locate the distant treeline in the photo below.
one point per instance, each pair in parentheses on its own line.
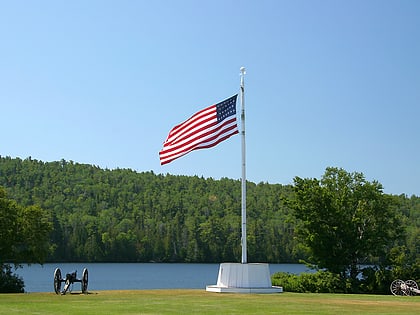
(102,215)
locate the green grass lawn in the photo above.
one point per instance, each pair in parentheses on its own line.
(202,302)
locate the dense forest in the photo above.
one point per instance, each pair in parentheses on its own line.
(102,215)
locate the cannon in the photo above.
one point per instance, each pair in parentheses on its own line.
(70,279)
(408,288)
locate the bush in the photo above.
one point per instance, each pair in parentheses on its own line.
(372,280)
(377,280)
(319,282)
(9,282)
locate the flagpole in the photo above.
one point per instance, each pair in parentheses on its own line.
(244,277)
(243,200)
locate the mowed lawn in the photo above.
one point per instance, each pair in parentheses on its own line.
(202,302)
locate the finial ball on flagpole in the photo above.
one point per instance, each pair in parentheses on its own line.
(242,70)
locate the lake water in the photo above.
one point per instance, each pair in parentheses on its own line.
(134,276)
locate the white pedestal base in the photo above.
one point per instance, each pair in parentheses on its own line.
(244,278)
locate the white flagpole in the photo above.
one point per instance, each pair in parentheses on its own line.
(244,253)
(244,277)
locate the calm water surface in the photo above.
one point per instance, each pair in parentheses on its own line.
(127,276)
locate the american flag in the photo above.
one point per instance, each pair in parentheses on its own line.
(204,129)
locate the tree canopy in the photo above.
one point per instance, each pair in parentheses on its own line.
(345,221)
(24,238)
(24,232)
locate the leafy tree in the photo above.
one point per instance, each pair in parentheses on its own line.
(24,238)
(344,220)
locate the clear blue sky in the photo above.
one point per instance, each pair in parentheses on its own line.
(329,83)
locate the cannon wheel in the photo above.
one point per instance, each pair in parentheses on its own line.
(57,280)
(85,280)
(398,287)
(411,284)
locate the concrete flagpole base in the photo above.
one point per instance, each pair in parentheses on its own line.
(244,278)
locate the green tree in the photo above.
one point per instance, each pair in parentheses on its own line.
(24,238)
(344,220)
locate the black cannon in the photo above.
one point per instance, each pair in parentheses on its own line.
(70,279)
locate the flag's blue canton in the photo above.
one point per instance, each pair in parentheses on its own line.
(226,108)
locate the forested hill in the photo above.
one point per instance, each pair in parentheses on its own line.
(122,215)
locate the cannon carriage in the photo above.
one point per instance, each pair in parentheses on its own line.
(404,288)
(70,279)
